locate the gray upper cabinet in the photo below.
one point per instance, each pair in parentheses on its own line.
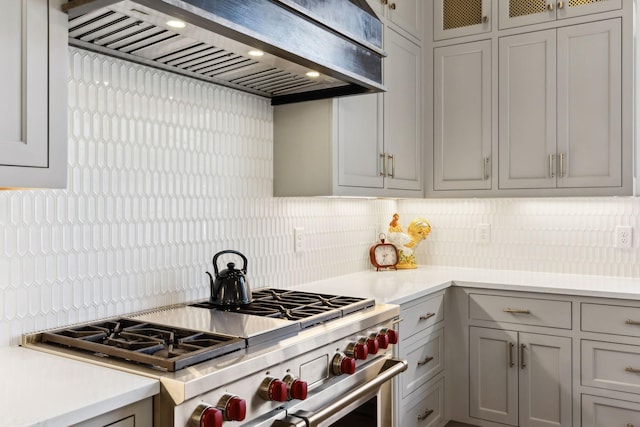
(458,18)
(515,13)
(33,84)
(462,94)
(560,107)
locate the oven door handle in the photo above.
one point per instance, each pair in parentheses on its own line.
(390,369)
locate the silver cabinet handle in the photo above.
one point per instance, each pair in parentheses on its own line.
(516,311)
(561,174)
(425,360)
(552,158)
(511,362)
(485,174)
(522,362)
(632,322)
(427,316)
(393,165)
(383,171)
(632,370)
(425,415)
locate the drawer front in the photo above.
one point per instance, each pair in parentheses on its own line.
(610,319)
(524,311)
(420,314)
(425,359)
(603,412)
(611,366)
(426,409)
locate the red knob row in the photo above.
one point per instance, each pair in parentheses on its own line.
(276,390)
(370,345)
(229,408)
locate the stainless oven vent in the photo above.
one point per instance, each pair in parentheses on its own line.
(338,39)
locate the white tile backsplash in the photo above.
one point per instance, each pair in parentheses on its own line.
(165,171)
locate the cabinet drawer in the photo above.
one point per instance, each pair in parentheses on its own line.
(426,409)
(611,366)
(425,359)
(610,319)
(524,311)
(602,412)
(420,314)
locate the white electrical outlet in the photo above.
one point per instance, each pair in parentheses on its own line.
(483,233)
(298,239)
(624,236)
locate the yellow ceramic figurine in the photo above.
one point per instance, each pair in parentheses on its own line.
(406,243)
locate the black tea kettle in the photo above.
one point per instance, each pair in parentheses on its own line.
(230,287)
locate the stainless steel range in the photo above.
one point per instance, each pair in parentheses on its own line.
(288,358)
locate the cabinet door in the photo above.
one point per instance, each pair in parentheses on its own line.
(603,412)
(544,380)
(407,15)
(359,127)
(462,116)
(457,18)
(571,8)
(33,86)
(493,375)
(514,13)
(590,105)
(402,113)
(527,110)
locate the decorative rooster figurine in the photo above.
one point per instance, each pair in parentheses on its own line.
(406,242)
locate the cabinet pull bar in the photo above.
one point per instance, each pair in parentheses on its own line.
(511,362)
(427,316)
(632,322)
(560,5)
(485,19)
(383,171)
(425,415)
(522,362)
(395,322)
(485,174)
(392,6)
(425,360)
(393,165)
(632,370)
(561,174)
(551,161)
(516,311)
(550,6)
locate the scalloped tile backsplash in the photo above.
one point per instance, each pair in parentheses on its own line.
(165,171)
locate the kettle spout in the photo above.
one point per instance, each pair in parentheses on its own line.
(212,287)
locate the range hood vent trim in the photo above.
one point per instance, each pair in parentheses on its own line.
(296,36)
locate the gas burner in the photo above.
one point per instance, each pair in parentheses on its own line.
(163,347)
(308,308)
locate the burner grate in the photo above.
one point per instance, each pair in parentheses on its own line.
(159,346)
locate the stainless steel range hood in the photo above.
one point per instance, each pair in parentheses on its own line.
(339,39)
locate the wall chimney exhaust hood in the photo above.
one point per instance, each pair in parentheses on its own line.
(287,50)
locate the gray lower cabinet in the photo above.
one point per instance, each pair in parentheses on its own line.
(419,391)
(520,379)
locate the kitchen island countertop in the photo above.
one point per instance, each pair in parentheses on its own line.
(398,287)
(41,389)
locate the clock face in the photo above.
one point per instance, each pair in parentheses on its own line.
(384,255)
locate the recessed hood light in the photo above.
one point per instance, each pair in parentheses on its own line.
(313,74)
(175,23)
(255,52)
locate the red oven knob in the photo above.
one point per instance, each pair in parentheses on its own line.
(342,364)
(273,389)
(392,335)
(296,388)
(358,349)
(206,416)
(372,344)
(383,340)
(233,408)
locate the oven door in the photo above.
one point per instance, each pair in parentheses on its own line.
(365,395)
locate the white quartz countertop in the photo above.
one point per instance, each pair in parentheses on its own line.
(400,286)
(41,389)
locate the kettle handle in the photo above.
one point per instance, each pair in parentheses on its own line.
(215,260)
